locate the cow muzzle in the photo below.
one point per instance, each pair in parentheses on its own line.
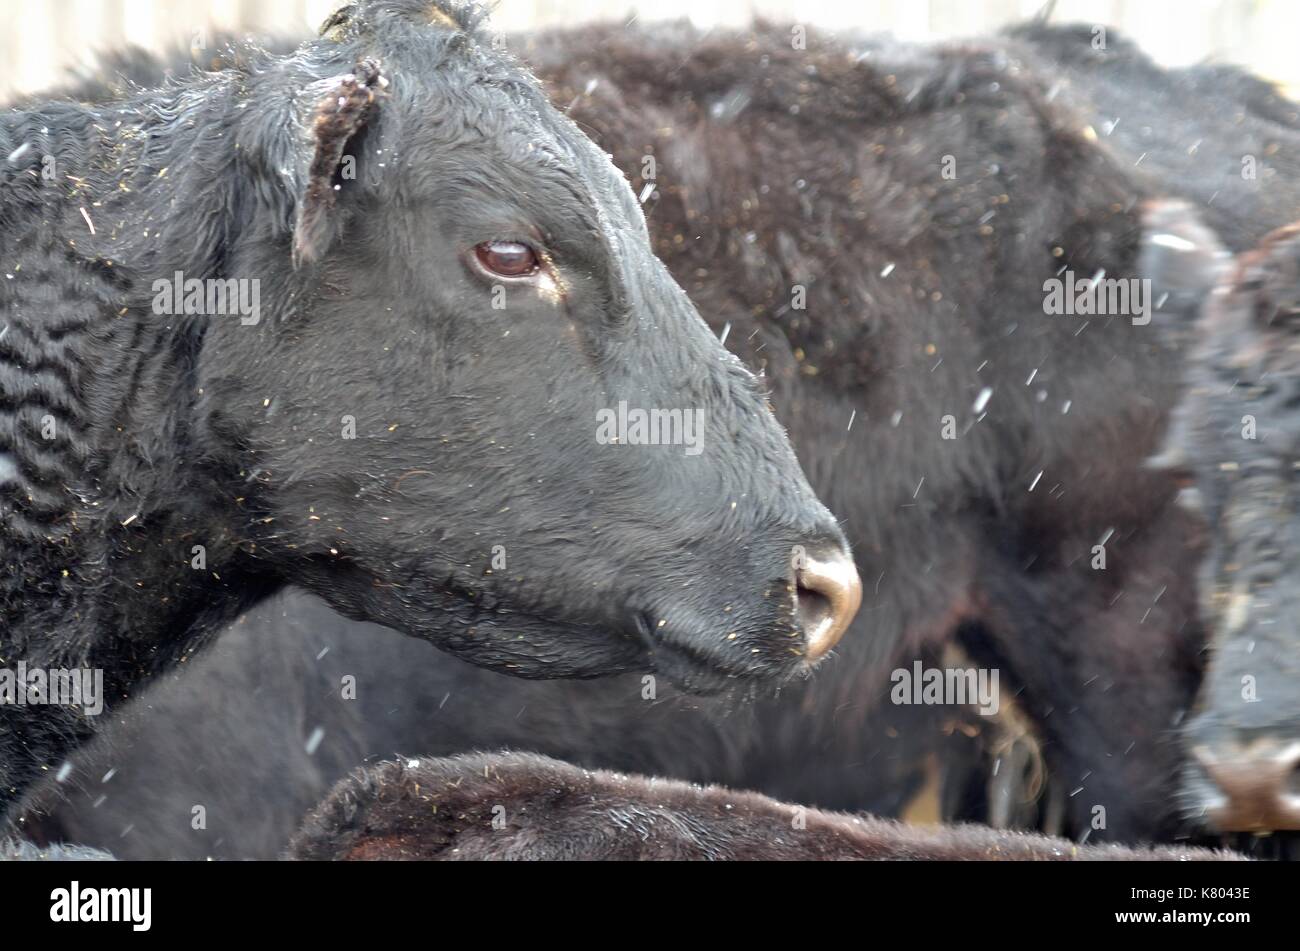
(1258,783)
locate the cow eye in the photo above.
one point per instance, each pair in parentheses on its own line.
(507,258)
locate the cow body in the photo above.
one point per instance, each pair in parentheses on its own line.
(525,807)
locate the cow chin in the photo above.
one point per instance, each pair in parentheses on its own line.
(497,637)
(538,648)
(535,648)
(681,656)
(484,629)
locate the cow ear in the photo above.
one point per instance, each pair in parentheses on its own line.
(341,114)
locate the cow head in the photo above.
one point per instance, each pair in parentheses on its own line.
(476,407)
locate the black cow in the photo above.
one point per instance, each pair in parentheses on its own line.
(1236,436)
(209,289)
(817,178)
(527,807)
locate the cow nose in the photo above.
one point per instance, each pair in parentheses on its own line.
(1259,782)
(827,595)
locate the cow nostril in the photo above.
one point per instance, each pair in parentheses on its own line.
(827,595)
(812,607)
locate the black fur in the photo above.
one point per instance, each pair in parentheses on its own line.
(292,697)
(1213,134)
(128,437)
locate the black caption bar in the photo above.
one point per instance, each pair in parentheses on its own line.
(213,900)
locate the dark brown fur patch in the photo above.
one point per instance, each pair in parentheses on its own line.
(524,806)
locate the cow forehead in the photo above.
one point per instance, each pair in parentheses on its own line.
(551,161)
(479,102)
(471,88)
(547,176)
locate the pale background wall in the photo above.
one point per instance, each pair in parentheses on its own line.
(42,38)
